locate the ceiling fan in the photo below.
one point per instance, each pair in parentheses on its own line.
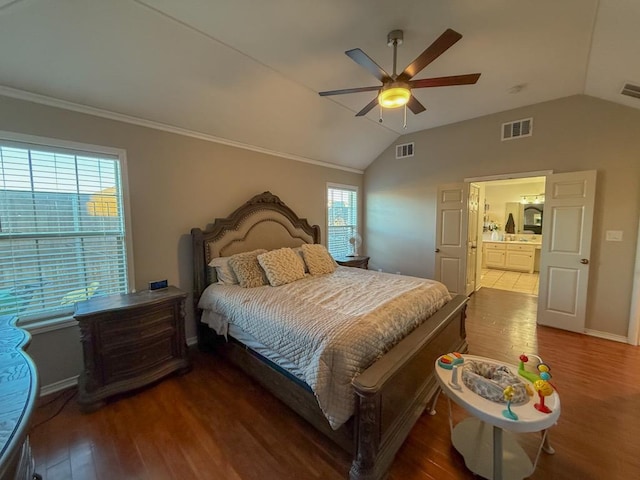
(395,90)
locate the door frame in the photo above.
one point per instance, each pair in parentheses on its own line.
(491,178)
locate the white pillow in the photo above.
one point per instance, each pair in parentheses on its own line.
(282,266)
(318,259)
(223,270)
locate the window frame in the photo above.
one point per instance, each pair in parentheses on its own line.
(52,144)
(346,187)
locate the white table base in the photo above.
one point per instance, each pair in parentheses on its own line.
(475,441)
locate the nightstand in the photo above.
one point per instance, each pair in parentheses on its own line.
(128,341)
(360,261)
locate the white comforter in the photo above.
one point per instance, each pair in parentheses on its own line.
(332,327)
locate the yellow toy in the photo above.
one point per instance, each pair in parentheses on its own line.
(508,394)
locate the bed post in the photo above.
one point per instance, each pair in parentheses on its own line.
(199,284)
(367,438)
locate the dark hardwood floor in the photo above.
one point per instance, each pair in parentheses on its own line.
(216,423)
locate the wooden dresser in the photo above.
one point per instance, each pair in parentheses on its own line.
(129,341)
(18,393)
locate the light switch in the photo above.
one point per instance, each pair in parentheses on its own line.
(614,235)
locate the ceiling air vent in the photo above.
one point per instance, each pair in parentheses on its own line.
(631,90)
(405,150)
(517,129)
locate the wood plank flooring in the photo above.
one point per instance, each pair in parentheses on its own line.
(216,423)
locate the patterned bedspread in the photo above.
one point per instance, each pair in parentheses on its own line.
(332,327)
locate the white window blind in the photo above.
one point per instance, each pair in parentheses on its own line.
(62,229)
(342,219)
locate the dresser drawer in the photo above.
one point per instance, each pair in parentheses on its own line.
(125,363)
(136,325)
(495,246)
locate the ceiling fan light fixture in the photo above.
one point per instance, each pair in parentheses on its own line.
(394,96)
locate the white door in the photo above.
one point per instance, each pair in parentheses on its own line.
(451,237)
(472,238)
(566,247)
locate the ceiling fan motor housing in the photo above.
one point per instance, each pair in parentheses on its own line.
(395,37)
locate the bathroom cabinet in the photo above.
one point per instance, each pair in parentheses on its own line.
(495,254)
(519,256)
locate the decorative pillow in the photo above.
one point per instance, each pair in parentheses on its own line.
(282,266)
(318,259)
(247,269)
(223,270)
(298,251)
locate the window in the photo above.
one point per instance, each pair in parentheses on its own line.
(62,226)
(342,219)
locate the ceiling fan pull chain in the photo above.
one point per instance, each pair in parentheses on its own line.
(380,120)
(405,117)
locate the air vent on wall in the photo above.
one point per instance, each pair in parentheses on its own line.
(631,90)
(405,150)
(517,129)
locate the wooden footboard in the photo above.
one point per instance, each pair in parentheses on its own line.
(392,393)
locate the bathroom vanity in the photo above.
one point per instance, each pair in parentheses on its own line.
(512,255)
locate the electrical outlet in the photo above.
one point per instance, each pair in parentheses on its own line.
(614,235)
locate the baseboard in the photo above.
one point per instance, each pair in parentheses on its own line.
(57,386)
(606,336)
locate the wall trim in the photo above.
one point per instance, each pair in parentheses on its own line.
(605,335)
(49,326)
(510,176)
(57,386)
(98,112)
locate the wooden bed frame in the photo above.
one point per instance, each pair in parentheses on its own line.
(391,394)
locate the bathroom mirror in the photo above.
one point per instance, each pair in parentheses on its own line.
(532,217)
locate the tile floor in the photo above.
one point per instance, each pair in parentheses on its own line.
(514,281)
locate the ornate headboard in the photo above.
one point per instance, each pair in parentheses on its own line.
(262,222)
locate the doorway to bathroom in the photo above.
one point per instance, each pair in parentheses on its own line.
(511,233)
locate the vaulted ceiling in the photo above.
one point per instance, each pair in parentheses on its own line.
(248,72)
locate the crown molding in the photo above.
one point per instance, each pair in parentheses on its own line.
(120,117)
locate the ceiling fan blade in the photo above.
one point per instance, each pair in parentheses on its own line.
(467,79)
(348,90)
(433,51)
(415,106)
(365,61)
(368,108)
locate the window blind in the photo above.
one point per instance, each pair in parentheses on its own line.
(342,219)
(62,229)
